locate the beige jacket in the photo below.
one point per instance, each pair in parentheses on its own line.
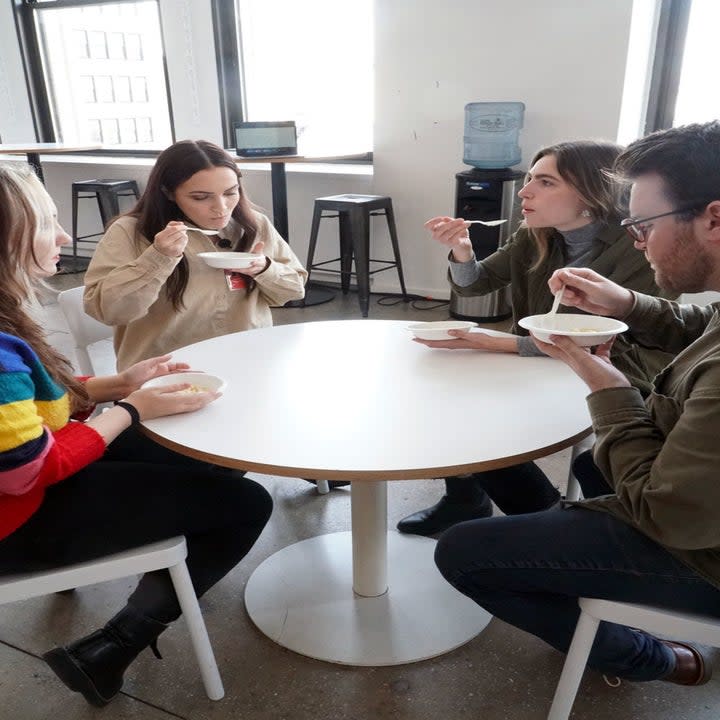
(662,456)
(125,287)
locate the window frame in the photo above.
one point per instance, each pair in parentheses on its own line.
(233,102)
(673,21)
(40,104)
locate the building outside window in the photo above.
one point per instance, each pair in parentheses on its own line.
(104,73)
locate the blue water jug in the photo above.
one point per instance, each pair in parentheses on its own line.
(491,134)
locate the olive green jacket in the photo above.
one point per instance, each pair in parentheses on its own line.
(613,256)
(662,455)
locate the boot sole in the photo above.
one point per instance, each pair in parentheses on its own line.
(73,676)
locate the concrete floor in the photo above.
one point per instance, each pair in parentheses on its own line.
(502,673)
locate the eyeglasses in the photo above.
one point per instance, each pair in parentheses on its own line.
(636,228)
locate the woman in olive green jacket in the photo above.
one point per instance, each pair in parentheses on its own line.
(571,211)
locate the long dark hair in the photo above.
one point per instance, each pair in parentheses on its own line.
(155,209)
(26,211)
(587,166)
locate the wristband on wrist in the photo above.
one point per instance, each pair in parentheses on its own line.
(132,411)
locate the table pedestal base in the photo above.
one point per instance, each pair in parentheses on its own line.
(302,598)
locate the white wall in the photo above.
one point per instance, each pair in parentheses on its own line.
(563,58)
(16,123)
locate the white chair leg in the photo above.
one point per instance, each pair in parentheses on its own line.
(198,632)
(574,667)
(322,487)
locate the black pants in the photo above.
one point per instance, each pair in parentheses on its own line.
(522,488)
(525,488)
(116,504)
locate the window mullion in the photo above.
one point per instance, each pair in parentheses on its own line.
(34,75)
(667,65)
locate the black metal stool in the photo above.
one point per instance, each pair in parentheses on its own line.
(354,212)
(106,192)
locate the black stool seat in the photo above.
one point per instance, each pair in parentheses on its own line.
(354,213)
(106,193)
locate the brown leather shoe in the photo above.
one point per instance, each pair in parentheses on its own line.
(691,667)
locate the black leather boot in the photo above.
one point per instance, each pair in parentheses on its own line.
(464,500)
(94,665)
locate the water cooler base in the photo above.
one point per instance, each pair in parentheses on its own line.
(494,307)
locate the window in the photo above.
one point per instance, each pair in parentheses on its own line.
(670,54)
(311,62)
(98,72)
(696,100)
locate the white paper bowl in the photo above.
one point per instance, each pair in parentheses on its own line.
(439,330)
(203,381)
(229,260)
(584,330)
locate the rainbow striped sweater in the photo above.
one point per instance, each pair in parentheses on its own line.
(39,445)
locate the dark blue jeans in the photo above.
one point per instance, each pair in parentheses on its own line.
(529,570)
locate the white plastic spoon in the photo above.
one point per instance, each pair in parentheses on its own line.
(489,223)
(550,317)
(204,232)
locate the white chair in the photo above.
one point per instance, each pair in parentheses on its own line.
(660,621)
(84,329)
(169,554)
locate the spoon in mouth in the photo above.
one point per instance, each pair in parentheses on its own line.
(488,223)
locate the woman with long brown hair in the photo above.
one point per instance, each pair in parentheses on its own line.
(68,492)
(146,278)
(572,210)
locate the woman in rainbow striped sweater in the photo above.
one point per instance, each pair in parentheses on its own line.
(67,494)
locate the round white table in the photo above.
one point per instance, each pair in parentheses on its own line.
(358,400)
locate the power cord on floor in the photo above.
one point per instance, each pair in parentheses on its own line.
(415,301)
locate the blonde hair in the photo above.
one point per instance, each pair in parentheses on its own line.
(26,213)
(587,166)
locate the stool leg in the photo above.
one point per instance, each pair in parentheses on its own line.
(360,223)
(346,250)
(74,222)
(390,217)
(317,215)
(109,206)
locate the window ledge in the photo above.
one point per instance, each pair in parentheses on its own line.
(309,168)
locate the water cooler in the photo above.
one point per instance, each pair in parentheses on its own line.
(489,192)
(483,194)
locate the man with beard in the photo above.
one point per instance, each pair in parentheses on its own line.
(654,536)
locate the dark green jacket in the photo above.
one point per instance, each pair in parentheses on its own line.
(613,256)
(662,455)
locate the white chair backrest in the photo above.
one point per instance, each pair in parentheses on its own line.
(84,329)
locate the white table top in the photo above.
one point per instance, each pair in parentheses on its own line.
(357,399)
